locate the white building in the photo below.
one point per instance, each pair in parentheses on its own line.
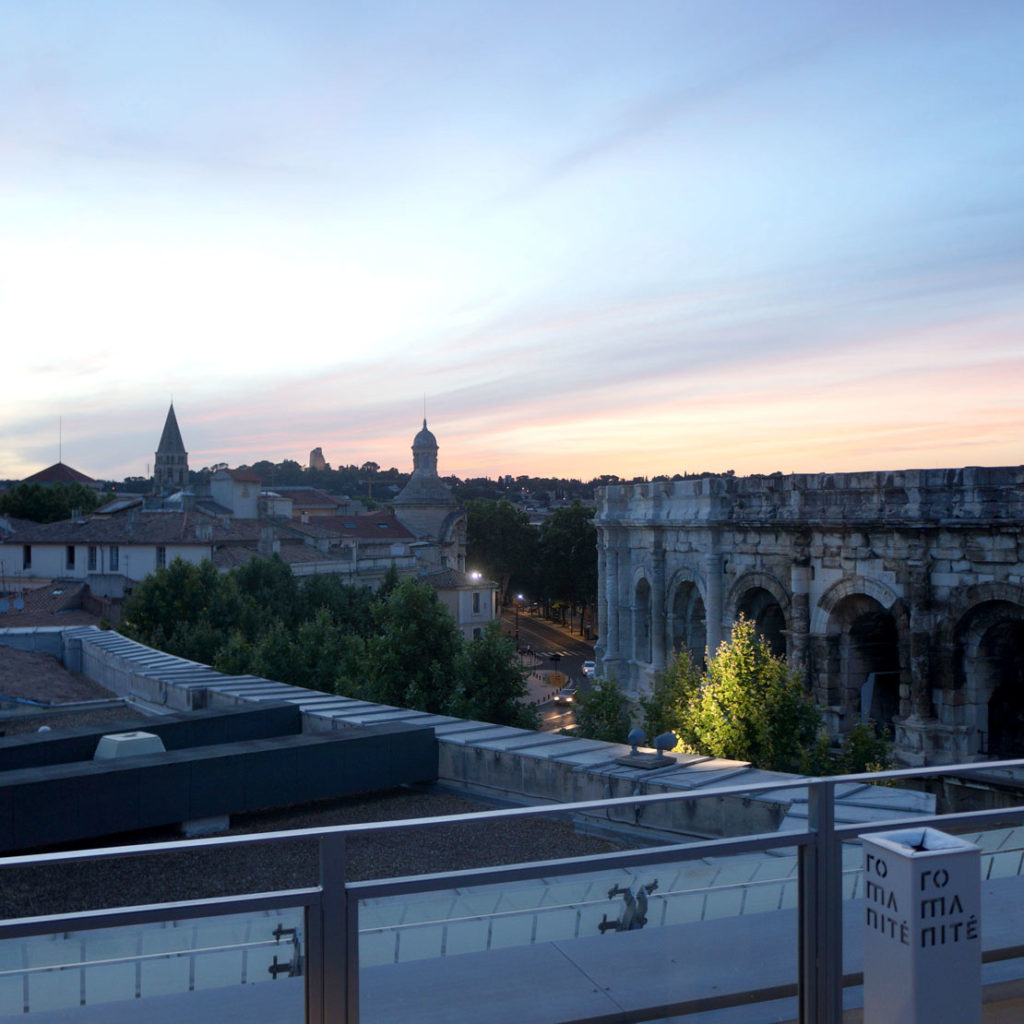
(472,600)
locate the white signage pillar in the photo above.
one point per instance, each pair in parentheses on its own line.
(922,928)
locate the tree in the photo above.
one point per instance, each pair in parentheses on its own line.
(674,689)
(349,606)
(491,682)
(568,556)
(864,749)
(603,713)
(748,705)
(170,599)
(399,646)
(234,657)
(50,503)
(501,543)
(410,659)
(323,649)
(274,657)
(270,593)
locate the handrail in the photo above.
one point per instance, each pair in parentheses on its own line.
(332,907)
(181,910)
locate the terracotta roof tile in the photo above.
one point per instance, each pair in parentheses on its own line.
(374,526)
(310,497)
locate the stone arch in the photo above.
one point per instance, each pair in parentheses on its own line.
(963,599)
(686,614)
(763,599)
(987,643)
(862,625)
(822,612)
(642,618)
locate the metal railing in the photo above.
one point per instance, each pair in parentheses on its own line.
(331,908)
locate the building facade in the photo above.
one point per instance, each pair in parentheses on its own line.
(900,596)
(471,600)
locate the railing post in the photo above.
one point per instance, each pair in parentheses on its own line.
(333,997)
(821,912)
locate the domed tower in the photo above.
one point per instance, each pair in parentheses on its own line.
(428,508)
(170,472)
(424,452)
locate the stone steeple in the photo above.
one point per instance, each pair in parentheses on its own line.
(170,471)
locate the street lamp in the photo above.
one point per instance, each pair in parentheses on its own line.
(519,598)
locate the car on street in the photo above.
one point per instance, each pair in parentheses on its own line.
(567,694)
(589,669)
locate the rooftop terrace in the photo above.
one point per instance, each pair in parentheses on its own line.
(521,940)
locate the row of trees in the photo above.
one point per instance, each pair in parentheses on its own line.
(48,503)
(555,563)
(398,645)
(745,705)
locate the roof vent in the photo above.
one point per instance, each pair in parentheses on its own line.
(127,744)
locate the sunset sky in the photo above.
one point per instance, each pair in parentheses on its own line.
(640,237)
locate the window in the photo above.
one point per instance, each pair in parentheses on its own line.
(115,556)
(161,557)
(70,558)
(476,602)
(477,632)
(26,556)
(92,558)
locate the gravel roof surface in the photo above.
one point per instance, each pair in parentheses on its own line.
(294,863)
(41,677)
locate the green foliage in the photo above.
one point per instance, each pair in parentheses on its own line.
(169,600)
(674,689)
(48,503)
(234,656)
(411,656)
(603,713)
(568,555)
(271,594)
(389,582)
(501,543)
(348,606)
(747,706)
(491,682)
(398,646)
(864,749)
(273,657)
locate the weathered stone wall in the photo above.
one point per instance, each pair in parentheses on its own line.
(901,595)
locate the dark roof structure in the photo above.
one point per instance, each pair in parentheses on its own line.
(454,579)
(242,476)
(309,498)
(137,527)
(58,473)
(170,439)
(372,526)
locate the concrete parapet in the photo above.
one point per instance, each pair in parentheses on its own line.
(494,762)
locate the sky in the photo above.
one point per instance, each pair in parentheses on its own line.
(582,236)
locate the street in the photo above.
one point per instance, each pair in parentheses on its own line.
(554,657)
